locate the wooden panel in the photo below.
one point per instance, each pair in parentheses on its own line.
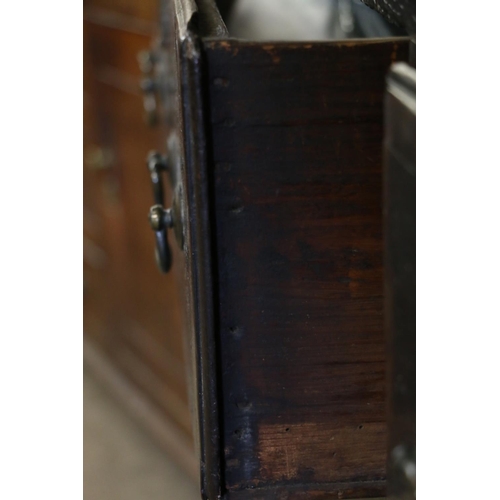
(154,301)
(117,48)
(135,10)
(141,310)
(148,342)
(103,224)
(297,140)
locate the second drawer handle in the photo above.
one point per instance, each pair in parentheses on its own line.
(160,219)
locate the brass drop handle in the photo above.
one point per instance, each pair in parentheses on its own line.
(160,219)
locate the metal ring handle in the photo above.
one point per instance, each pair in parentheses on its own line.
(159,218)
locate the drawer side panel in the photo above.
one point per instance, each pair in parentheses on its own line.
(296,133)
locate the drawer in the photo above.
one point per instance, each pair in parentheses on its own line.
(281,170)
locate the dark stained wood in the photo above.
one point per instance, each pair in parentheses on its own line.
(201,302)
(305,491)
(296,138)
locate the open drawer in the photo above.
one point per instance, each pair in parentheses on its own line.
(279,182)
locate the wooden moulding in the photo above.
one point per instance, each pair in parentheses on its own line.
(283,174)
(400,277)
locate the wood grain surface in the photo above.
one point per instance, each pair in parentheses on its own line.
(296,136)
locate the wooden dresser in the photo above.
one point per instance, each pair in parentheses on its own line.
(267,212)
(133,315)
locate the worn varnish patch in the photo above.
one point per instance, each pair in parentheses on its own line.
(288,447)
